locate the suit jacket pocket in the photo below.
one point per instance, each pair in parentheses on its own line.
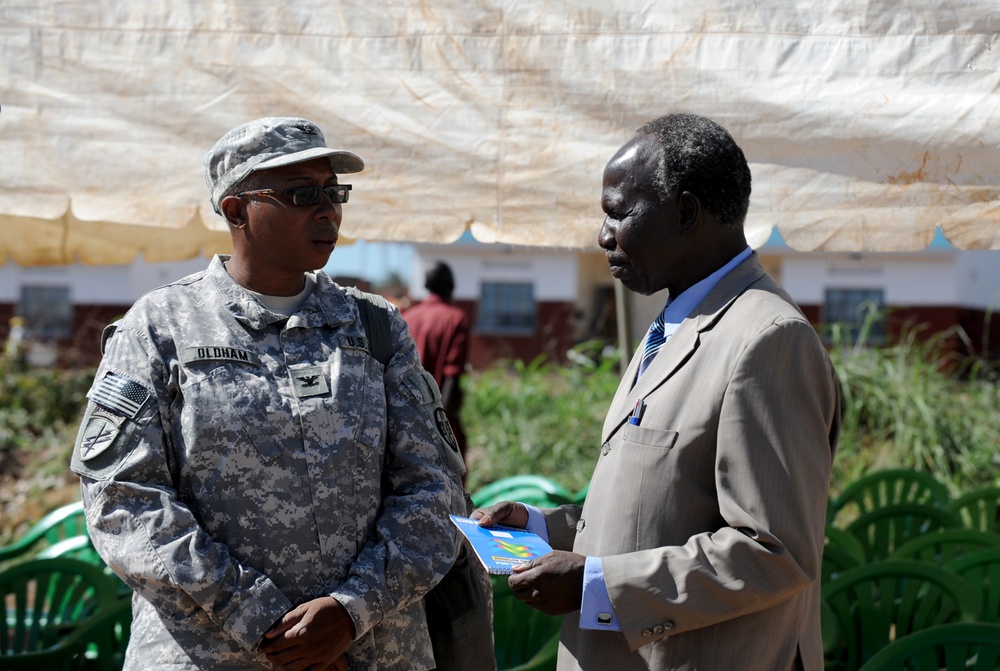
(641,435)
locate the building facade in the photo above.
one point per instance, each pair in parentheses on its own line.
(526,302)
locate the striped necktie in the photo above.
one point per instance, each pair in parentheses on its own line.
(654,341)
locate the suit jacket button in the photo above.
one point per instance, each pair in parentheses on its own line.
(605,448)
(668,625)
(647,633)
(580,525)
(658,629)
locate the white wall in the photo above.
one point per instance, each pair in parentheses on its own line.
(97,285)
(906,280)
(553,274)
(977,280)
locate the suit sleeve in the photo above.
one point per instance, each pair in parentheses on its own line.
(773,459)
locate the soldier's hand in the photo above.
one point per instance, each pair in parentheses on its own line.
(507,513)
(553,583)
(310,637)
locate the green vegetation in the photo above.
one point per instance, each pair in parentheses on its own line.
(914,405)
(39,407)
(904,406)
(907,405)
(538,418)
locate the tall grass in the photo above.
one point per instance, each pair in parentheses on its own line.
(538,418)
(916,405)
(909,405)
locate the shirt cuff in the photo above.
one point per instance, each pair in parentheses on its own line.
(536,522)
(595,606)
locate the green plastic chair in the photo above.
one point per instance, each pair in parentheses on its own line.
(978,509)
(963,646)
(98,643)
(58,525)
(522,487)
(982,569)
(841,552)
(82,548)
(886,488)
(829,630)
(875,604)
(884,530)
(836,560)
(46,599)
(943,546)
(521,634)
(543,660)
(847,542)
(77,547)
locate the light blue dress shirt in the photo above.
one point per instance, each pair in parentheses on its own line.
(596,611)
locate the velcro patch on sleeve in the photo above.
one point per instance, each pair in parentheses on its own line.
(120,394)
(421,386)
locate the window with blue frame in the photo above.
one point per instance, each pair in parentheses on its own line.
(506,308)
(47,311)
(855,313)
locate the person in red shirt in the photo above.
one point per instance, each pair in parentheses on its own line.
(441,332)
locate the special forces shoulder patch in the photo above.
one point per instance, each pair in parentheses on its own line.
(98,433)
(109,425)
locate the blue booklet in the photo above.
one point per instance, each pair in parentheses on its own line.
(498,547)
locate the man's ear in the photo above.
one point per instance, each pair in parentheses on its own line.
(234,211)
(690,211)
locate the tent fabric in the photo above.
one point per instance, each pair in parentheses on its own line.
(867,123)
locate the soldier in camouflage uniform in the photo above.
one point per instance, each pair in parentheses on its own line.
(274,495)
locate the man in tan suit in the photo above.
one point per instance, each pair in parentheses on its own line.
(700,541)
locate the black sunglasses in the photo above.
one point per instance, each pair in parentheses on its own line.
(306,196)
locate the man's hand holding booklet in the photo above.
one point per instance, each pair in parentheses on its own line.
(498,547)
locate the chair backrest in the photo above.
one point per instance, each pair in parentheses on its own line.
(836,560)
(59,524)
(883,530)
(844,540)
(520,633)
(98,643)
(945,545)
(47,598)
(978,509)
(538,486)
(886,488)
(982,569)
(963,646)
(77,547)
(841,551)
(877,603)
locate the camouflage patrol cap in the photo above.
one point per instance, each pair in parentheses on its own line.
(267,143)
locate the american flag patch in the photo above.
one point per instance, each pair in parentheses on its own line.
(117,392)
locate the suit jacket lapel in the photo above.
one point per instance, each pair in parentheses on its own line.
(681,345)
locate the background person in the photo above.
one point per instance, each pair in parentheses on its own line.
(441,332)
(700,541)
(275,496)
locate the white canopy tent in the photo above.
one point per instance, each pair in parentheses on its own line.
(866,122)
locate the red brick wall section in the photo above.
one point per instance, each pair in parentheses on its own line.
(84,348)
(553,336)
(981,327)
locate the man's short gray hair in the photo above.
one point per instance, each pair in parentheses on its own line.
(700,156)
